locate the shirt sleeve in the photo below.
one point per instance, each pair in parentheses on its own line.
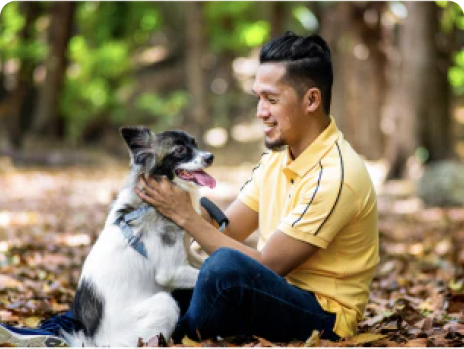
(250,191)
(323,209)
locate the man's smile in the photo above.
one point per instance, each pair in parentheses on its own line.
(268,127)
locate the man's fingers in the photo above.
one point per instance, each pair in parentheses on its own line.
(149,188)
(147,181)
(162,184)
(154,189)
(156,181)
(153,180)
(144,196)
(146,193)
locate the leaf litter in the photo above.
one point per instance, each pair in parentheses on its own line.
(50,218)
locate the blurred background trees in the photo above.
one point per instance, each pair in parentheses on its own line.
(71,73)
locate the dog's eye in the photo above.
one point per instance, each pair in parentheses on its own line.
(180,150)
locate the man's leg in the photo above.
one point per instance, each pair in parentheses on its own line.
(183,297)
(47,335)
(236,295)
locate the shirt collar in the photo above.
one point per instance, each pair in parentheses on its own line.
(314,152)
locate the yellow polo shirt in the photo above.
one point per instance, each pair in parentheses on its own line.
(324,197)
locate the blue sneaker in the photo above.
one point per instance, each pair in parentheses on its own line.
(47,335)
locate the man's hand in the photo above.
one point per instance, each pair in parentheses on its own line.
(171,201)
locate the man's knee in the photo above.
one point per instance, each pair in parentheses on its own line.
(225,264)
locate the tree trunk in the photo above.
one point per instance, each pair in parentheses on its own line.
(372,99)
(195,76)
(278,16)
(47,120)
(12,104)
(359,73)
(3,90)
(422,117)
(436,128)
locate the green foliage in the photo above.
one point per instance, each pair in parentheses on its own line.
(235,26)
(11,23)
(307,19)
(98,82)
(11,46)
(106,38)
(453,18)
(164,110)
(238,26)
(95,75)
(422,154)
(108,60)
(253,34)
(456,78)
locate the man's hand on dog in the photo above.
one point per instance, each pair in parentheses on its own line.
(169,200)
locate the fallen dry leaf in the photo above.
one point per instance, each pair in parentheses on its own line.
(32,321)
(364,338)
(264,342)
(314,340)
(189,342)
(418,342)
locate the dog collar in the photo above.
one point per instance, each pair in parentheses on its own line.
(132,239)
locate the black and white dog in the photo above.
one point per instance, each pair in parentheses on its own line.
(140,256)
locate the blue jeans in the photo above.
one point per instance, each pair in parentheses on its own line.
(236,295)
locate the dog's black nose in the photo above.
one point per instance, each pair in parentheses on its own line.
(208,158)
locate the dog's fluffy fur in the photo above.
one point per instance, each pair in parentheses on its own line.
(123,296)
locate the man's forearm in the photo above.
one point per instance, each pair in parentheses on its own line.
(206,216)
(210,239)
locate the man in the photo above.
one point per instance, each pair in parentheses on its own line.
(315,206)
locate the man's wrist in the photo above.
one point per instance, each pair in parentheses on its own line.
(183,220)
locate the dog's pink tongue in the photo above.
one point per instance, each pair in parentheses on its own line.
(203,178)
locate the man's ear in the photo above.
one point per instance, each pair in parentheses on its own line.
(139,139)
(313,99)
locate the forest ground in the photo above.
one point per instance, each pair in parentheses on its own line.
(50,217)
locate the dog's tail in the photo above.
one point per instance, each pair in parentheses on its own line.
(194,258)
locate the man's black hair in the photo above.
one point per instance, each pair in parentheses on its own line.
(307,60)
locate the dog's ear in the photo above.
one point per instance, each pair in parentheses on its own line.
(139,139)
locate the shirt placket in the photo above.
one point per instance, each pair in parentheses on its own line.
(290,177)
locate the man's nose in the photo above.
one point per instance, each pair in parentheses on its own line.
(262,111)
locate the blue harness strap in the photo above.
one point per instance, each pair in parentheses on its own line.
(133,240)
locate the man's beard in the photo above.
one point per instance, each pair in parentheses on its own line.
(277,145)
